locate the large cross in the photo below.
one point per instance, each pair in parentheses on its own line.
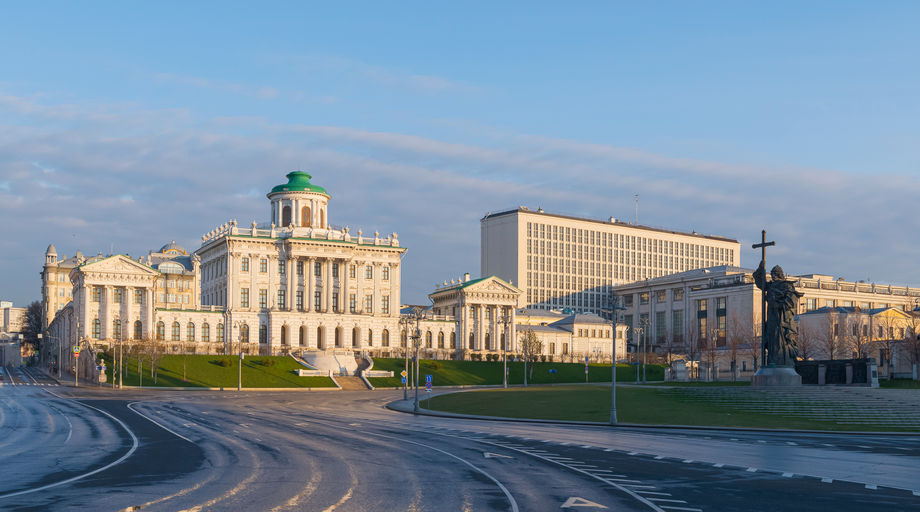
(763,294)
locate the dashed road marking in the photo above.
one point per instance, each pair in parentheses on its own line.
(659,457)
(788,475)
(827,480)
(687,461)
(751,470)
(871,487)
(719,465)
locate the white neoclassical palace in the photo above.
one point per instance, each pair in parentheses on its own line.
(295,282)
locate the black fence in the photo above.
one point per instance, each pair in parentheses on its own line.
(853,372)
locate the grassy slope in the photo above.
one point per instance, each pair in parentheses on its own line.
(203,371)
(634,405)
(453,373)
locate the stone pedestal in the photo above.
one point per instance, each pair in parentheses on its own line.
(776,376)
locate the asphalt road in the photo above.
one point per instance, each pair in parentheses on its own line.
(91,449)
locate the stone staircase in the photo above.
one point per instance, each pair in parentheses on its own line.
(351,383)
(843,405)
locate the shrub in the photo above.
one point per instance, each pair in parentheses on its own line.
(266,362)
(225,363)
(432,365)
(542,358)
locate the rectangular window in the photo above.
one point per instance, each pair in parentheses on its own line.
(677,325)
(661,328)
(263,298)
(352,271)
(263,265)
(317,300)
(335,302)
(317,269)
(299,268)
(811,304)
(299,299)
(369,304)
(281,297)
(138,296)
(335,270)
(281,268)
(385,273)
(96,294)
(352,303)
(368,272)
(244,265)
(385,304)
(628,300)
(643,298)
(117,295)
(678,294)
(661,296)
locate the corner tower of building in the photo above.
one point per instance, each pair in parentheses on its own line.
(299,203)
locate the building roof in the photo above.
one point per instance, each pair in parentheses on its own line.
(299,181)
(582,318)
(51,249)
(849,310)
(173,247)
(611,222)
(696,273)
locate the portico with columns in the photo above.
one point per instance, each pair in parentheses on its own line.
(483,311)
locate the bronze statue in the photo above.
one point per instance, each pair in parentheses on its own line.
(780,336)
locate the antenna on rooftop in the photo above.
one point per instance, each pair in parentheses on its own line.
(637,209)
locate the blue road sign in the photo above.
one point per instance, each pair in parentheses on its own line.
(552,370)
(427,385)
(402,380)
(427,378)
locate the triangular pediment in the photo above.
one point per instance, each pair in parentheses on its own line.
(492,284)
(118,264)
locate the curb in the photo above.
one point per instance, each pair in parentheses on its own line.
(395,406)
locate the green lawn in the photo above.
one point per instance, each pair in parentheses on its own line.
(205,371)
(645,405)
(455,373)
(899,383)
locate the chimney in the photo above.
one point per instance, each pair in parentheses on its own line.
(466,277)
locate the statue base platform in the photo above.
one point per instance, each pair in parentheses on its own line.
(778,376)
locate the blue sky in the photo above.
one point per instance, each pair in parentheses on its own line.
(129,125)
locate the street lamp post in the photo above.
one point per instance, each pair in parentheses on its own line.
(614,307)
(405,342)
(416,343)
(638,332)
(505,321)
(645,352)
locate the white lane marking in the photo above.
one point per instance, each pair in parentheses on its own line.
(656,493)
(659,457)
(609,450)
(155,422)
(121,459)
(761,441)
(575,501)
(688,509)
(751,470)
(871,487)
(788,475)
(719,465)
(916,493)
(633,453)
(69,427)
(665,500)
(687,461)
(490,455)
(827,480)
(511,500)
(587,446)
(828,445)
(343,499)
(790,443)
(864,447)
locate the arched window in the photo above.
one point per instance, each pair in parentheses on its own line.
(370,337)
(320,338)
(161,331)
(97,328)
(220,331)
(385,338)
(440,340)
(428,339)
(263,333)
(338,336)
(244,333)
(285,216)
(116,329)
(205,332)
(402,339)
(138,330)
(354,337)
(306,219)
(190,332)
(453,340)
(284,335)
(303,336)
(175,331)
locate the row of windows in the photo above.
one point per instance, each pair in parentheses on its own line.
(317,301)
(594,333)
(175,331)
(543,232)
(317,269)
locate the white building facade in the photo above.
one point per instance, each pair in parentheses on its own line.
(563,262)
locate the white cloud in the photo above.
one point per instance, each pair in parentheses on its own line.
(174,179)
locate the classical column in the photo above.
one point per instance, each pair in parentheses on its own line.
(343,288)
(378,270)
(395,286)
(149,327)
(513,328)
(289,292)
(272,291)
(127,320)
(480,328)
(493,328)
(232,275)
(106,319)
(327,286)
(309,280)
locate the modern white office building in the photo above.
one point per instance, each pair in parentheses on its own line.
(563,262)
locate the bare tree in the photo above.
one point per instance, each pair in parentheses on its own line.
(693,351)
(710,348)
(887,340)
(531,347)
(858,338)
(829,335)
(912,340)
(807,341)
(736,341)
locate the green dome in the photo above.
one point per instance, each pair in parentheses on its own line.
(299,181)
